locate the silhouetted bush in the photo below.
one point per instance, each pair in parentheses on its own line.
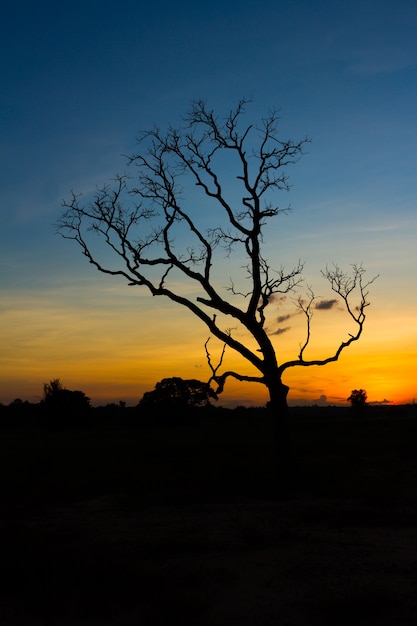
(20,413)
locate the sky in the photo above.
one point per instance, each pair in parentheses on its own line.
(80,81)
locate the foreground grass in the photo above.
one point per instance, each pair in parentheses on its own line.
(124,524)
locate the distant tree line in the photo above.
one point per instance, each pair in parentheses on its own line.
(173,401)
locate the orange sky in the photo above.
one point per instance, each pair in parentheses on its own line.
(114,343)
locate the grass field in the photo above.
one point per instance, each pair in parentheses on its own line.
(138,525)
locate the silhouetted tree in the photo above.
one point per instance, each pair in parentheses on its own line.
(164,242)
(62,405)
(358,399)
(177,394)
(52,390)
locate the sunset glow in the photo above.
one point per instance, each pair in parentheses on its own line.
(118,355)
(75,100)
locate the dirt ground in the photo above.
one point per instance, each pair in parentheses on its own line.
(195,555)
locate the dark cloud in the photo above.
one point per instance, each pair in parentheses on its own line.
(283,318)
(322,400)
(281,331)
(326,304)
(277,298)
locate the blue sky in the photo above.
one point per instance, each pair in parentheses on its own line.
(79,81)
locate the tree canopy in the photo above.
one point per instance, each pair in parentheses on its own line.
(61,403)
(177,393)
(358,399)
(197,193)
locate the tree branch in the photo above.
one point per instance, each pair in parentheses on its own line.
(344,285)
(157,242)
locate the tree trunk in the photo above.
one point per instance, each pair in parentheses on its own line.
(284,462)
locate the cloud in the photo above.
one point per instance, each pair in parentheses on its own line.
(277,298)
(281,331)
(321,401)
(283,318)
(325,305)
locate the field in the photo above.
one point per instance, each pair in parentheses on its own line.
(134,524)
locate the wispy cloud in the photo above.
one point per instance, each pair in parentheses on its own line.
(325,305)
(281,331)
(283,318)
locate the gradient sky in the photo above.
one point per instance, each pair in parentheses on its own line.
(79,81)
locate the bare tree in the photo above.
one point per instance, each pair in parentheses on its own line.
(160,239)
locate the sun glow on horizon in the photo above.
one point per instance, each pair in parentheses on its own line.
(110,362)
(120,346)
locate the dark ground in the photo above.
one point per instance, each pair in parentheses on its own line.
(129,525)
